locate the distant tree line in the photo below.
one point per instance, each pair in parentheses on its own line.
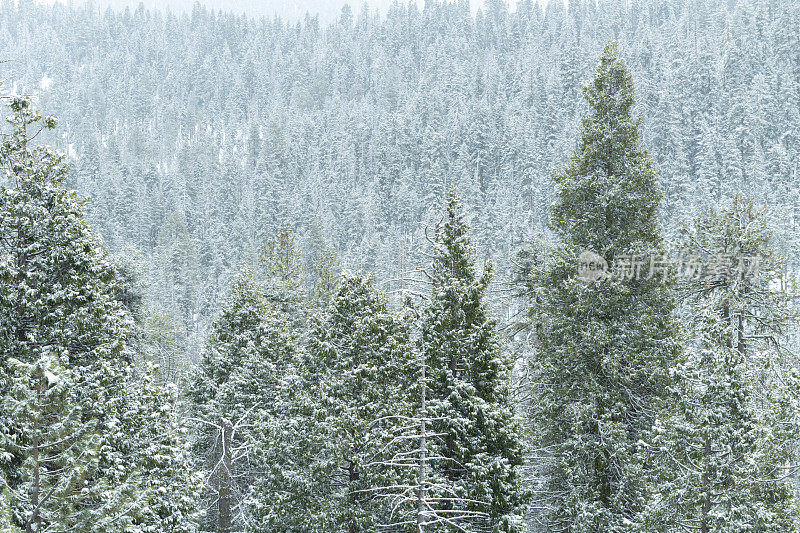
(198,135)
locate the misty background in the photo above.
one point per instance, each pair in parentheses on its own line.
(286,9)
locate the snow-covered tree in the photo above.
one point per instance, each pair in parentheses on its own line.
(351,399)
(55,447)
(58,299)
(234,392)
(727,453)
(169,487)
(604,346)
(68,370)
(365,350)
(475,445)
(284,272)
(234,336)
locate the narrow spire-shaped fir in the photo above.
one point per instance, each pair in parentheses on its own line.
(608,193)
(604,346)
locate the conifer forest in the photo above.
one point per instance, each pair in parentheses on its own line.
(421,267)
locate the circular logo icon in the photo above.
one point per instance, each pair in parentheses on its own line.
(591,266)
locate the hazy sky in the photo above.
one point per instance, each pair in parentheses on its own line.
(287,9)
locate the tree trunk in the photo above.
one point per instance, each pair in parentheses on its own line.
(741,345)
(34,523)
(352,477)
(423,451)
(225,485)
(705,527)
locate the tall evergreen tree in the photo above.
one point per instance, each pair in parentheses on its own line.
(604,346)
(70,453)
(365,349)
(234,336)
(57,298)
(475,445)
(234,392)
(726,453)
(351,398)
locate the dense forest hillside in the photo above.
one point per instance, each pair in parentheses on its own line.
(197,136)
(533,270)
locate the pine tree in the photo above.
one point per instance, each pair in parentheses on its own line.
(255,398)
(57,447)
(235,392)
(352,396)
(65,328)
(231,336)
(475,445)
(364,348)
(235,334)
(604,346)
(288,496)
(58,299)
(727,450)
(169,489)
